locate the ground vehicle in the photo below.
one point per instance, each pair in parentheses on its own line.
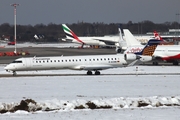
(11,43)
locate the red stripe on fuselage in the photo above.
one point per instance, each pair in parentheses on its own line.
(176,57)
(76,37)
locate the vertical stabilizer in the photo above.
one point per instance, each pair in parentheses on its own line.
(157,36)
(70,34)
(130,39)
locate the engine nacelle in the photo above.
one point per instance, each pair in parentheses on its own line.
(118,50)
(142,58)
(145,58)
(130,57)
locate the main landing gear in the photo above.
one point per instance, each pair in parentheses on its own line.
(14,73)
(90,72)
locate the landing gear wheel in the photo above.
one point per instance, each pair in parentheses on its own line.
(14,73)
(97,73)
(175,62)
(89,72)
(155,63)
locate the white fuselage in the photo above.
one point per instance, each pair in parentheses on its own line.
(101,41)
(90,62)
(165,51)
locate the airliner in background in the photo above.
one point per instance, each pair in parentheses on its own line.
(112,41)
(88,63)
(166,52)
(100,41)
(133,45)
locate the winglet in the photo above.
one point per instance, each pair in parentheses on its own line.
(70,34)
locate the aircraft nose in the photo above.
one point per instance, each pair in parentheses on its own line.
(7,68)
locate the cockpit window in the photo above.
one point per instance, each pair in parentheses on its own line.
(17,61)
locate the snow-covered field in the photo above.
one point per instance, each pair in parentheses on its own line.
(112,96)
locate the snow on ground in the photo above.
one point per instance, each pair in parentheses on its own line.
(128,97)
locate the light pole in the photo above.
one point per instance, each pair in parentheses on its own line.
(15,5)
(178,20)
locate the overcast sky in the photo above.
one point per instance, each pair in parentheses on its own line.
(71,11)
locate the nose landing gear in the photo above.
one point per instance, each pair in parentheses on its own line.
(14,73)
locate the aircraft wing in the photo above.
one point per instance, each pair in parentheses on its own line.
(67,40)
(136,62)
(92,67)
(108,42)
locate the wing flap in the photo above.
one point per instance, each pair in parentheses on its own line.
(92,67)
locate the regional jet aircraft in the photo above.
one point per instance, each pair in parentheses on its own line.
(88,63)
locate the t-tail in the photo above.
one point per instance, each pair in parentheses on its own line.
(70,34)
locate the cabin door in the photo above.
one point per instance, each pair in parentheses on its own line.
(28,62)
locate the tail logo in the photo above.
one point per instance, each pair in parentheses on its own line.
(149,50)
(70,34)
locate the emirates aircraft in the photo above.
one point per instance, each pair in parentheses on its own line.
(100,41)
(88,63)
